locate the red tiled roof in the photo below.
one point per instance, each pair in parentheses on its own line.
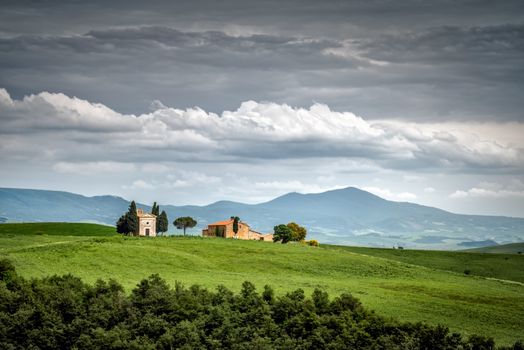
(221,223)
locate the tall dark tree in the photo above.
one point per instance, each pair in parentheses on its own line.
(128,223)
(282,233)
(155,210)
(236,220)
(131,219)
(163,222)
(121,225)
(184,222)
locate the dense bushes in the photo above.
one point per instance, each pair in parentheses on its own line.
(62,312)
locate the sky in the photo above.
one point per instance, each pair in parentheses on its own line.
(191,102)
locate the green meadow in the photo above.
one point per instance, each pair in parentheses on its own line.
(499,266)
(407,285)
(512,248)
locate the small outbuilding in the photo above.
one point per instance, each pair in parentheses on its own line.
(224,229)
(146,223)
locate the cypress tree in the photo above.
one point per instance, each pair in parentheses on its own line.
(236,219)
(131,219)
(163,222)
(155,210)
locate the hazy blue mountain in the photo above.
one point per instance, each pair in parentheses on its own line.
(40,205)
(345,216)
(478,244)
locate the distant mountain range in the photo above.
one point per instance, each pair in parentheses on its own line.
(347,216)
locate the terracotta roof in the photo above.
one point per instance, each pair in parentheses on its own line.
(221,223)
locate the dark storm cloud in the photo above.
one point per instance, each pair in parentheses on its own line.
(446,60)
(215,49)
(199,68)
(334,18)
(451,44)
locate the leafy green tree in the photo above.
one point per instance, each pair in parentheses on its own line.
(298,233)
(121,225)
(7,270)
(62,312)
(282,233)
(184,222)
(128,223)
(163,222)
(236,220)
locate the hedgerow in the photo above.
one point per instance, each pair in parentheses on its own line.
(62,312)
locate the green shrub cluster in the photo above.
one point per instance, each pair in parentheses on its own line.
(62,312)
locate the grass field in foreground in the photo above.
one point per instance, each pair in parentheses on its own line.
(408,291)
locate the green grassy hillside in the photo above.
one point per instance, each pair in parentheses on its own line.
(18,236)
(500,266)
(512,248)
(413,287)
(56,229)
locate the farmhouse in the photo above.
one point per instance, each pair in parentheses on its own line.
(146,223)
(225,229)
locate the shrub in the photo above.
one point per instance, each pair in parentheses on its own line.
(62,312)
(313,243)
(7,270)
(282,233)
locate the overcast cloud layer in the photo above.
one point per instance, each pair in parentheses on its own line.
(441,60)
(191,102)
(253,152)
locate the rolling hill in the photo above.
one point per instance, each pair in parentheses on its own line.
(347,216)
(511,248)
(407,285)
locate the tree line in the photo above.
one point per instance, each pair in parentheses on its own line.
(63,312)
(128,223)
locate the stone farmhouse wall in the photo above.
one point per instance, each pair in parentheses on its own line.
(146,224)
(225,229)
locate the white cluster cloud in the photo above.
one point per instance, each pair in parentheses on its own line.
(515,189)
(176,179)
(388,194)
(292,186)
(86,168)
(72,130)
(429,190)
(56,111)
